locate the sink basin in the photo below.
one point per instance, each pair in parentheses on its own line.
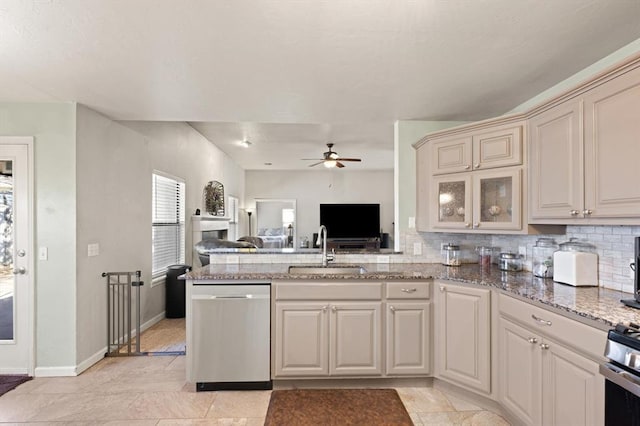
(326,270)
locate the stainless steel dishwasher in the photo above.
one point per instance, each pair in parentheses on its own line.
(230,336)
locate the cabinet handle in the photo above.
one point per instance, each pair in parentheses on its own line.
(467,167)
(408,290)
(540,320)
(324,308)
(443,288)
(333,308)
(477,165)
(467,225)
(544,346)
(532,340)
(587,212)
(574,212)
(476,225)
(391,308)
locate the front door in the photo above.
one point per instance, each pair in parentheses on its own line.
(16,274)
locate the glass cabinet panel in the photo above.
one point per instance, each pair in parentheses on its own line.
(497,199)
(453,207)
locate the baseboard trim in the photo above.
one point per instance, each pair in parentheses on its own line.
(68,371)
(92,359)
(84,365)
(14,371)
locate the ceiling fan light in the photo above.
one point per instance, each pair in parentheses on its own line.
(329,164)
(245,144)
(333,156)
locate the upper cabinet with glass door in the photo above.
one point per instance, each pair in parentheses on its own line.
(472,178)
(476,202)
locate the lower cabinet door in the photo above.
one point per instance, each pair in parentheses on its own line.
(355,347)
(573,389)
(463,328)
(301,339)
(408,338)
(520,371)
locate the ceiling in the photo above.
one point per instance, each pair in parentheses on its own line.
(292,75)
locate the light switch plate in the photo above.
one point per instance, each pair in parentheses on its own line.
(417,249)
(93,249)
(412,222)
(43,253)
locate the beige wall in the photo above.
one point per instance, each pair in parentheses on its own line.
(312,188)
(115,164)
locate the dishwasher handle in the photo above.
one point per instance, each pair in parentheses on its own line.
(229,296)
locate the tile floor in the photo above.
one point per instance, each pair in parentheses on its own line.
(152,391)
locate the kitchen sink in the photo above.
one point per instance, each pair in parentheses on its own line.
(326,270)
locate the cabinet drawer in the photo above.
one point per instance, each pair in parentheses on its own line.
(408,290)
(588,340)
(328,291)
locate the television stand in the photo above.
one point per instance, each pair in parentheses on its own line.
(359,243)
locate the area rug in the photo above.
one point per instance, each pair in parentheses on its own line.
(10,381)
(371,407)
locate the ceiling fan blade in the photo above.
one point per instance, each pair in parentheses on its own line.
(312,159)
(339,165)
(315,164)
(348,159)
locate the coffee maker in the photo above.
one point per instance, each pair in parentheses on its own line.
(635,266)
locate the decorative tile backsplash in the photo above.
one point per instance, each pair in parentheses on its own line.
(614,245)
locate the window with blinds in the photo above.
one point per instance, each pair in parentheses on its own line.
(168,221)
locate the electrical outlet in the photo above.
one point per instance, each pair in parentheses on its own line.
(382,259)
(233,259)
(412,222)
(522,250)
(417,249)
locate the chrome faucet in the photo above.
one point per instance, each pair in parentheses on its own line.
(326,258)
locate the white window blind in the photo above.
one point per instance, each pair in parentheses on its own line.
(168,212)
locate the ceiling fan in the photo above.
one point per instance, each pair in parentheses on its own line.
(331,159)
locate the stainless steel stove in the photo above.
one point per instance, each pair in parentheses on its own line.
(622,374)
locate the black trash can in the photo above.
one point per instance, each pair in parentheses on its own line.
(175,304)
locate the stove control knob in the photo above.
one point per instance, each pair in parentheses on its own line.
(532,340)
(544,346)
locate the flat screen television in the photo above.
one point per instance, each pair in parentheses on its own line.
(351,221)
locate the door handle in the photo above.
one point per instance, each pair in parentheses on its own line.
(19,271)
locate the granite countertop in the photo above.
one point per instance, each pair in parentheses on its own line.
(600,306)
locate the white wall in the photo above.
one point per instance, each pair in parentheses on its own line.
(53,127)
(312,188)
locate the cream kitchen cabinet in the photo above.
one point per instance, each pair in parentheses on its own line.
(583,156)
(463,335)
(328,338)
(544,380)
(478,201)
(479,149)
(327,329)
(408,329)
(301,339)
